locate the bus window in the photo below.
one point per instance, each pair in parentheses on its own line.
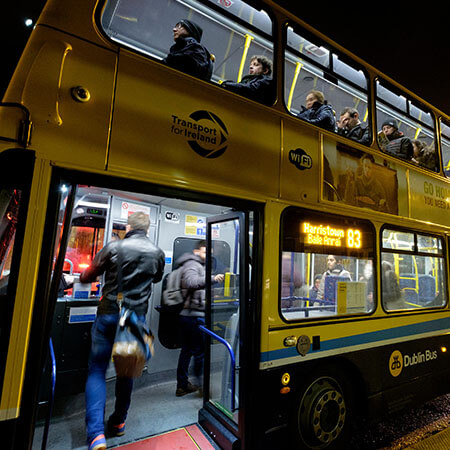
(9,210)
(445,145)
(405,129)
(310,67)
(412,270)
(233,32)
(326,265)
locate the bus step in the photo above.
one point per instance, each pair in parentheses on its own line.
(190,437)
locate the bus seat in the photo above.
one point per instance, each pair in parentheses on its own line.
(407,280)
(330,290)
(427,288)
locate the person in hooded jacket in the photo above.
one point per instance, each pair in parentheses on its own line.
(318,112)
(257,85)
(397,143)
(193,282)
(187,54)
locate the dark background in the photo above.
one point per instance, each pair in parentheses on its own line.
(408,42)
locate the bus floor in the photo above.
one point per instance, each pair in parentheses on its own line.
(154,411)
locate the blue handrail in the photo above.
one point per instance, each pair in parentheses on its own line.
(233,361)
(52,395)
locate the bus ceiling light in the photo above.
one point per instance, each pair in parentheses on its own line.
(63,188)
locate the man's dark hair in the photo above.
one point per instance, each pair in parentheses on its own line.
(139,221)
(265,62)
(200,244)
(351,111)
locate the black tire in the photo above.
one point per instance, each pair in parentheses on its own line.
(323,412)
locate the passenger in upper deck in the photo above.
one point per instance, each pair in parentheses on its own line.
(318,112)
(350,126)
(187,54)
(396,142)
(257,85)
(424,155)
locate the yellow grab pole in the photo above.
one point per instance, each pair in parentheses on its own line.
(248,40)
(298,67)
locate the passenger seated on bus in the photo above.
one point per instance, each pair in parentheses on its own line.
(315,288)
(393,141)
(318,112)
(390,288)
(423,155)
(351,127)
(257,85)
(187,54)
(335,269)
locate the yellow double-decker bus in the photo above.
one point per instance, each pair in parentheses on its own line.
(325,202)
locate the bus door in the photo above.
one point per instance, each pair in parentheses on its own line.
(225,303)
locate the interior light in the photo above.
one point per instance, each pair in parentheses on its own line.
(28,22)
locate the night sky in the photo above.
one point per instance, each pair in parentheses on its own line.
(412,46)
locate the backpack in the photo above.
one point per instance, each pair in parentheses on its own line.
(172,295)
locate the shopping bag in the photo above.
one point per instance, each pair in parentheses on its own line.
(133,345)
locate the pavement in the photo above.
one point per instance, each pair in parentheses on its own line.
(438,441)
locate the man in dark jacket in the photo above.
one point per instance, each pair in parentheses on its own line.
(350,126)
(318,112)
(257,85)
(187,54)
(398,144)
(141,264)
(193,284)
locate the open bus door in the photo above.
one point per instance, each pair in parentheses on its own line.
(225,305)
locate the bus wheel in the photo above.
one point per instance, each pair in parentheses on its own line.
(322,415)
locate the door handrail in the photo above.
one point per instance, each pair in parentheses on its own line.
(233,361)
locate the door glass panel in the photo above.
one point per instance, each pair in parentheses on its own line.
(225,296)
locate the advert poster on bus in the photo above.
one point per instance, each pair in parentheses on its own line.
(361,179)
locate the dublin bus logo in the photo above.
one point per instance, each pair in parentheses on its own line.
(396,363)
(206,133)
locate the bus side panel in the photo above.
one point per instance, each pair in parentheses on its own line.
(300,166)
(198,133)
(67,85)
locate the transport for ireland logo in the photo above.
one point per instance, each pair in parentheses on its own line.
(204,132)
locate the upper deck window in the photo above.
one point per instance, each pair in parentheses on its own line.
(445,146)
(337,86)
(232,33)
(405,129)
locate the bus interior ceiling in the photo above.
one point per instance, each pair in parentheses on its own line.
(98,213)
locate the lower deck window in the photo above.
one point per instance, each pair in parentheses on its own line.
(327,265)
(412,271)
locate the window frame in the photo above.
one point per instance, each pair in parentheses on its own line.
(329,74)
(446,122)
(442,254)
(409,100)
(372,255)
(101,6)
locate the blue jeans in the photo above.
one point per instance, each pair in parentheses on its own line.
(193,345)
(103,334)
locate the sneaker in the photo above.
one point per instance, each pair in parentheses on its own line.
(186,390)
(116,430)
(98,443)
